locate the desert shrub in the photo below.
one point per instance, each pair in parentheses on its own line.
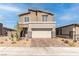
(12,37)
(5,39)
(9,38)
(72,44)
(13,42)
(62,40)
(1,42)
(17,37)
(74,40)
(66,41)
(26,39)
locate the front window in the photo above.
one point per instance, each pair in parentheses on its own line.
(26,19)
(45,17)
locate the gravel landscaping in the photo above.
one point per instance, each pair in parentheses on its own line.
(55,42)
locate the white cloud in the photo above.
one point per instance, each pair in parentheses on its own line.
(70,14)
(73,9)
(65,17)
(1,16)
(68,17)
(9,8)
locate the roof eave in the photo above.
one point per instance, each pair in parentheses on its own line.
(24,14)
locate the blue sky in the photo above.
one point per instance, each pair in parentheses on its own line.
(64,13)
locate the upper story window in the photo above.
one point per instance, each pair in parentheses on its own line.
(45,17)
(26,19)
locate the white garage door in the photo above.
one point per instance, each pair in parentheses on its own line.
(41,34)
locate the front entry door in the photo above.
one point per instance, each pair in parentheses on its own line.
(23,32)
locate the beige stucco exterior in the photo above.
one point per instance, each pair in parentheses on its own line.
(35,21)
(69,31)
(32,16)
(77,30)
(66,30)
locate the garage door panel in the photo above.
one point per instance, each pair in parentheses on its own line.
(42,29)
(41,34)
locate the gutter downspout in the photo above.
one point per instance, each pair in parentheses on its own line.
(37,15)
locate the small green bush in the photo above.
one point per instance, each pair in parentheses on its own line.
(12,37)
(17,37)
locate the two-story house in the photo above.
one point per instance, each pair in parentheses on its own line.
(37,24)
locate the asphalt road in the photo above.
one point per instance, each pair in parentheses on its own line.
(38,51)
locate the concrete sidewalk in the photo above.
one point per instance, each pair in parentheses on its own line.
(31,51)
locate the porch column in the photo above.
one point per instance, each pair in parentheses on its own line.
(29,33)
(53,33)
(74,34)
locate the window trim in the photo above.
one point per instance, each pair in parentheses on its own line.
(25,19)
(45,19)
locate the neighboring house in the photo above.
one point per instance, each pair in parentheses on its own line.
(4,31)
(37,24)
(68,31)
(8,31)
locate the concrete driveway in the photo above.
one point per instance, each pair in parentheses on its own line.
(48,43)
(28,51)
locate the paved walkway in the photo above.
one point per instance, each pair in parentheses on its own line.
(25,51)
(47,43)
